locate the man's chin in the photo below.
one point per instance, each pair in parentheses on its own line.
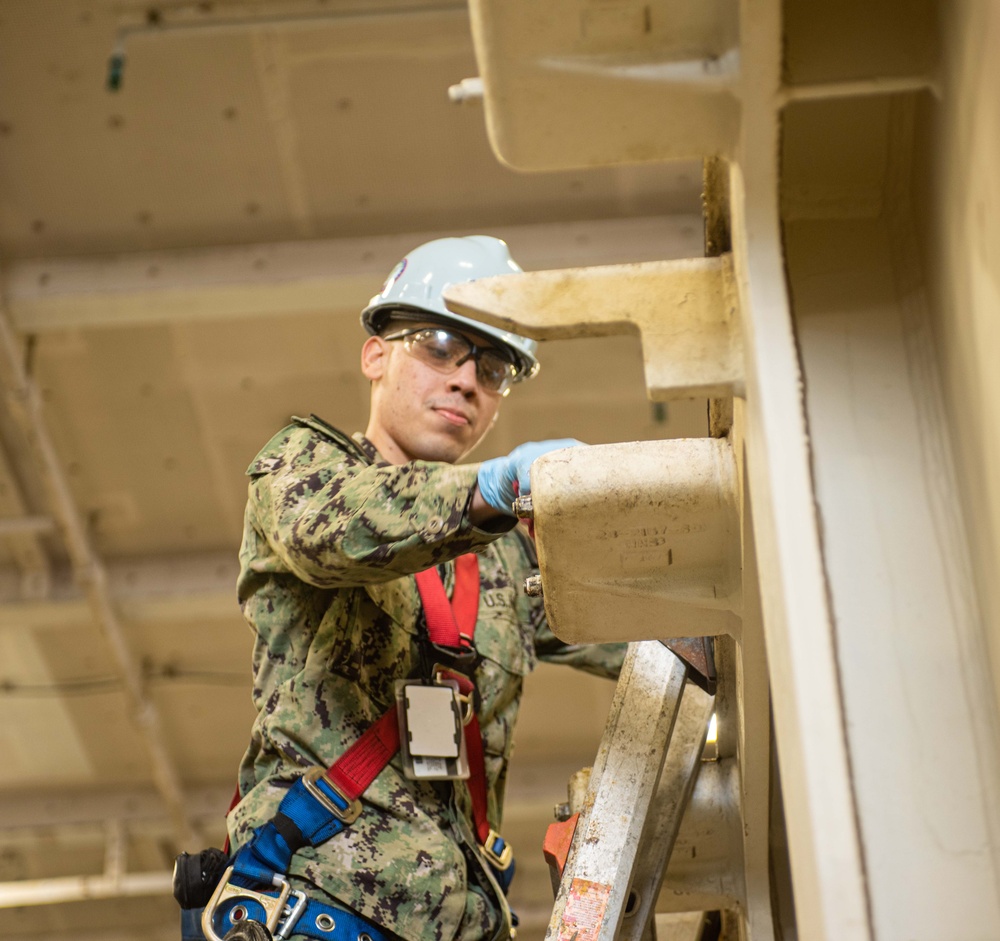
(445,448)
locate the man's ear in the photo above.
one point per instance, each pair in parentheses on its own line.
(374,354)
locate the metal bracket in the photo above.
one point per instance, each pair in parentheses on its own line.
(685,312)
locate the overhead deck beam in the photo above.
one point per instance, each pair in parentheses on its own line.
(89,806)
(288,278)
(178,588)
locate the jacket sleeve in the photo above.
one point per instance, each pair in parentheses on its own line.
(599,659)
(334,520)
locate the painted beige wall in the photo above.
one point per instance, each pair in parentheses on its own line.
(961,178)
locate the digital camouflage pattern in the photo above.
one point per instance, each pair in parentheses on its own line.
(332,535)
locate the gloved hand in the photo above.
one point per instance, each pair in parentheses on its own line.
(497,476)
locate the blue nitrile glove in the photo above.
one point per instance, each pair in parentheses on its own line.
(497,476)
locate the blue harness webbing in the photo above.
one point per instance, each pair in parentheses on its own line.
(306,917)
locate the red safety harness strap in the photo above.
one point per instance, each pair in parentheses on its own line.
(451,623)
(454,625)
(353,771)
(477,778)
(465,597)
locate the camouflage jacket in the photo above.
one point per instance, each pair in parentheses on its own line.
(331,539)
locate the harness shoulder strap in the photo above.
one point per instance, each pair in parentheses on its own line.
(451,623)
(454,625)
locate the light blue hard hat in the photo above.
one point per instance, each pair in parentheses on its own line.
(415,286)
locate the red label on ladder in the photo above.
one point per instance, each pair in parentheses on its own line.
(584,911)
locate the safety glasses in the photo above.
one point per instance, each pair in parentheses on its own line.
(445,352)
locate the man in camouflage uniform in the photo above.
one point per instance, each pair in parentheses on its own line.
(335,529)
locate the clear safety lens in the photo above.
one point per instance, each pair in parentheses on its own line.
(446,351)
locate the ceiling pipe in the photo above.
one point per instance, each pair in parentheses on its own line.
(25,406)
(114,882)
(467,90)
(20,531)
(58,891)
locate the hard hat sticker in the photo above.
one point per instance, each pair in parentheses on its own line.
(394,275)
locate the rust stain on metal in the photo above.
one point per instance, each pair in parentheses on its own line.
(699,654)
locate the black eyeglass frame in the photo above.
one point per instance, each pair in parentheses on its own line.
(475,353)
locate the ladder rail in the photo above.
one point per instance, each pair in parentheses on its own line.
(593,893)
(677,779)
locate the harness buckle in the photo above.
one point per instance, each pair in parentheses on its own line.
(498,851)
(461,659)
(273,905)
(468,704)
(343,808)
(292,915)
(466,697)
